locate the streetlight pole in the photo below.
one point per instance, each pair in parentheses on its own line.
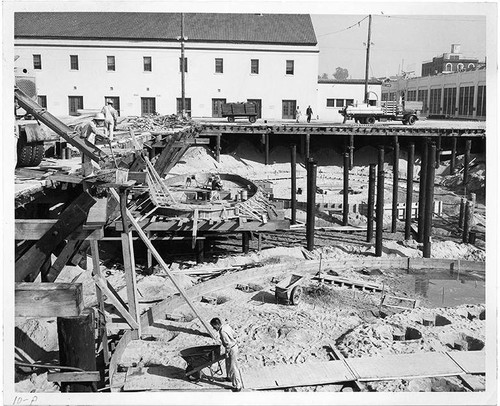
(368,56)
(183,69)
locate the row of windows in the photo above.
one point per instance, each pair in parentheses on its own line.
(148,64)
(339,102)
(432,101)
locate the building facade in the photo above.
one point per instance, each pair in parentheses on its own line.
(82,59)
(333,95)
(453,61)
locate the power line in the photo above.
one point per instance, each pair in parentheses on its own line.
(345,29)
(416,18)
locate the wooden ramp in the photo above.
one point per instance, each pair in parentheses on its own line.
(418,365)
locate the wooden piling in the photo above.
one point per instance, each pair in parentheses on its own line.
(76,338)
(200,251)
(461,215)
(293,174)
(468,144)
(467,219)
(429,200)
(409,189)
(453,155)
(217,147)
(395,181)
(345,206)
(438,152)
(351,151)
(245,242)
(308,146)
(371,203)
(266,148)
(311,203)
(421,190)
(380,203)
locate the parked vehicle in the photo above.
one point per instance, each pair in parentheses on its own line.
(407,112)
(233,110)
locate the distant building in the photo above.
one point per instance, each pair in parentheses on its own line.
(333,95)
(80,59)
(449,62)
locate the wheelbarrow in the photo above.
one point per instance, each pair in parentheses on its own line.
(288,290)
(198,358)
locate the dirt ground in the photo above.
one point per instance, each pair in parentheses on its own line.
(272,334)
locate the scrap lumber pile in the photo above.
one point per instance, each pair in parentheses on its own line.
(154,123)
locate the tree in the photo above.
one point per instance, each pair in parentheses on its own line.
(341,73)
(324,76)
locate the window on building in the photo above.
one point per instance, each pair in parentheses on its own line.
(187,105)
(116,102)
(454,57)
(471,66)
(110,60)
(289,67)
(254,66)
(37,61)
(449,67)
(75,104)
(349,102)
(330,102)
(217,107)
(219,65)
(42,101)
(423,96)
(435,101)
(481,101)
(385,96)
(450,101)
(339,102)
(460,67)
(148,64)
(148,105)
(73,62)
(411,95)
(288,109)
(185,65)
(466,101)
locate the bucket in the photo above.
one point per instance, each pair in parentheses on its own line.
(472,237)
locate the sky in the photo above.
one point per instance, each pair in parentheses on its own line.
(399,42)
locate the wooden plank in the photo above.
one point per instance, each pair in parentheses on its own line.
(74,215)
(84,376)
(62,259)
(404,366)
(36,229)
(473,382)
(59,177)
(338,355)
(472,362)
(48,299)
(98,214)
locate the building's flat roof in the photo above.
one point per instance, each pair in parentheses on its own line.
(285,29)
(349,81)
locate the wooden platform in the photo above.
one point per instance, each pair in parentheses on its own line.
(349,283)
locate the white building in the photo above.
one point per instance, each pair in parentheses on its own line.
(333,95)
(82,59)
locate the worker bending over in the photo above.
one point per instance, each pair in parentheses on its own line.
(228,339)
(110,119)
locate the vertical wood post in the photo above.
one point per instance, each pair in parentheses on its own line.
(351,151)
(395,184)
(468,144)
(245,242)
(311,203)
(200,251)
(129,263)
(149,254)
(77,347)
(380,203)
(217,147)
(103,332)
(345,208)
(467,218)
(409,189)
(371,203)
(293,174)
(438,152)
(453,155)
(429,199)
(461,216)
(266,148)
(308,146)
(421,190)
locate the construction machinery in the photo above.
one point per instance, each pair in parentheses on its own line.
(364,113)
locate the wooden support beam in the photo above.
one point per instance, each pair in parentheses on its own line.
(61,261)
(217,147)
(409,189)
(422,190)
(36,229)
(345,208)
(311,203)
(71,218)
(83,376)
(98,214)
(293,176)
(371,203)
(380,203)
(48,299)
(395,185)
(164,266)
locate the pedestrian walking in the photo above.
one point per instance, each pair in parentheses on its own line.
(228,339)
(110,119)
(297,114)
(309,113)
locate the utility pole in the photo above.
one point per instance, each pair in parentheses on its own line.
(368,56)
(183,69)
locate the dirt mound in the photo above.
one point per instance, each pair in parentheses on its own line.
(196,159)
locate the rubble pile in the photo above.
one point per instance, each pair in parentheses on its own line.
(154,122)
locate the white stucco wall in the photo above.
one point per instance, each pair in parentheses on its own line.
(341,91)
(129,82)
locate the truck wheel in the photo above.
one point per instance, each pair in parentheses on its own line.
(24,155)
(411,120)
(230,119)
(37,155)
(252,119)
(370,120)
